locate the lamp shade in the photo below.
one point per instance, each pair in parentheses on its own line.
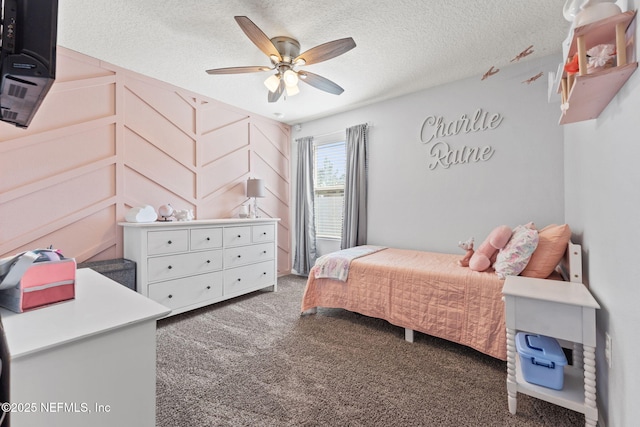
(292,90)
(290,78)
(272,82)
(255,188)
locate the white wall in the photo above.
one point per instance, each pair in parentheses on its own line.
(411,206)
(602,203)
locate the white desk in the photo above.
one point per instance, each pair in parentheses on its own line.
(563,310)
(88,361)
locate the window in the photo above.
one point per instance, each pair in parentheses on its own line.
(329,176)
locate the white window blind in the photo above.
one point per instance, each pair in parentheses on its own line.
(330,166)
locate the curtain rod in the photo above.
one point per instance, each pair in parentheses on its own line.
(369,124)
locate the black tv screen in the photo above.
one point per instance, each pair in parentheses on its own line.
(27,57)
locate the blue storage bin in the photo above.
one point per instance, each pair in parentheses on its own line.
(541,359)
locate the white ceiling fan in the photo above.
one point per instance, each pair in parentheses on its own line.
(285,56)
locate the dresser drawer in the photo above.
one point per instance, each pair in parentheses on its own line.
(167,242)
(236,280)
(206,238)
(234,257)
(172,266)
(263,233)
(236,236)
(187,291)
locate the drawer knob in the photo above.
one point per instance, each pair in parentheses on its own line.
(208,238)
(169,242)
(264,274)
(239,236)
(170,267)
(208,261)
(264,233)
(170,296)
(239,280)
(239,256)
(208,287)
(264,252)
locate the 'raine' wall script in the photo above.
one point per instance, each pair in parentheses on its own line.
(434,128)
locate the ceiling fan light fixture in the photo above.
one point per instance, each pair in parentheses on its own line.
(292,90)
(290,78)
(272,82)
(284,54)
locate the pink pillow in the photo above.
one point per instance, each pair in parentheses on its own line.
(552,244)
(486,253)
(513,258)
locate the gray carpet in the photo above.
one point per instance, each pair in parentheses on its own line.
(254,361)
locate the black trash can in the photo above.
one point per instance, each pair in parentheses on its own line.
(120,270)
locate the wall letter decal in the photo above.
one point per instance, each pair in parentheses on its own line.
(433,128)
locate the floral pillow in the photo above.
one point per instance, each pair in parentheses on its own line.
(514,257)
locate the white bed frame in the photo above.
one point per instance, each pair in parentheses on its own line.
(571,265)
(570,268)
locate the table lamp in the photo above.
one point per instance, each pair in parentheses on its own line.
(255,189)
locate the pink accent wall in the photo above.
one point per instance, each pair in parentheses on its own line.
(107,139)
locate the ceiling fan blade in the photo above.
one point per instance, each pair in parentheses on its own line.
(274,96)
(326,51)
(320,82)
(238,70)
(258,38)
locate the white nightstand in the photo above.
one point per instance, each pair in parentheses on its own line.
(563,310)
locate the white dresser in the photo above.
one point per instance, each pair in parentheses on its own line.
(190,264)
(90,361)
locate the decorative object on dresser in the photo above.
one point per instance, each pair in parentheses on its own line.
(187,265)
(34,279)
(183,214)
(244,211)
(141,214)
(255,189)
(165,212)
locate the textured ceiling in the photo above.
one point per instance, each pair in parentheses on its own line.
(402,45)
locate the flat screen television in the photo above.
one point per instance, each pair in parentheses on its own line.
(27,57)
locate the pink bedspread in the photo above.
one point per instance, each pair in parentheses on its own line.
(424,291)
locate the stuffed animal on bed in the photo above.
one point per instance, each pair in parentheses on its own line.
(467,246)
(485,255)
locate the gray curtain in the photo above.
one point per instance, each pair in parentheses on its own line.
(354,227)
(305,251)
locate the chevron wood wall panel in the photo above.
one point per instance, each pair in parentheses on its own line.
(269,160)
(107,139)
(145,119)
(223,141)
(151,162)
(90,146)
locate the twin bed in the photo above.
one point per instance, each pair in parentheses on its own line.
(426,292)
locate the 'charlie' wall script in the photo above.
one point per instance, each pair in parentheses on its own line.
(435,128)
